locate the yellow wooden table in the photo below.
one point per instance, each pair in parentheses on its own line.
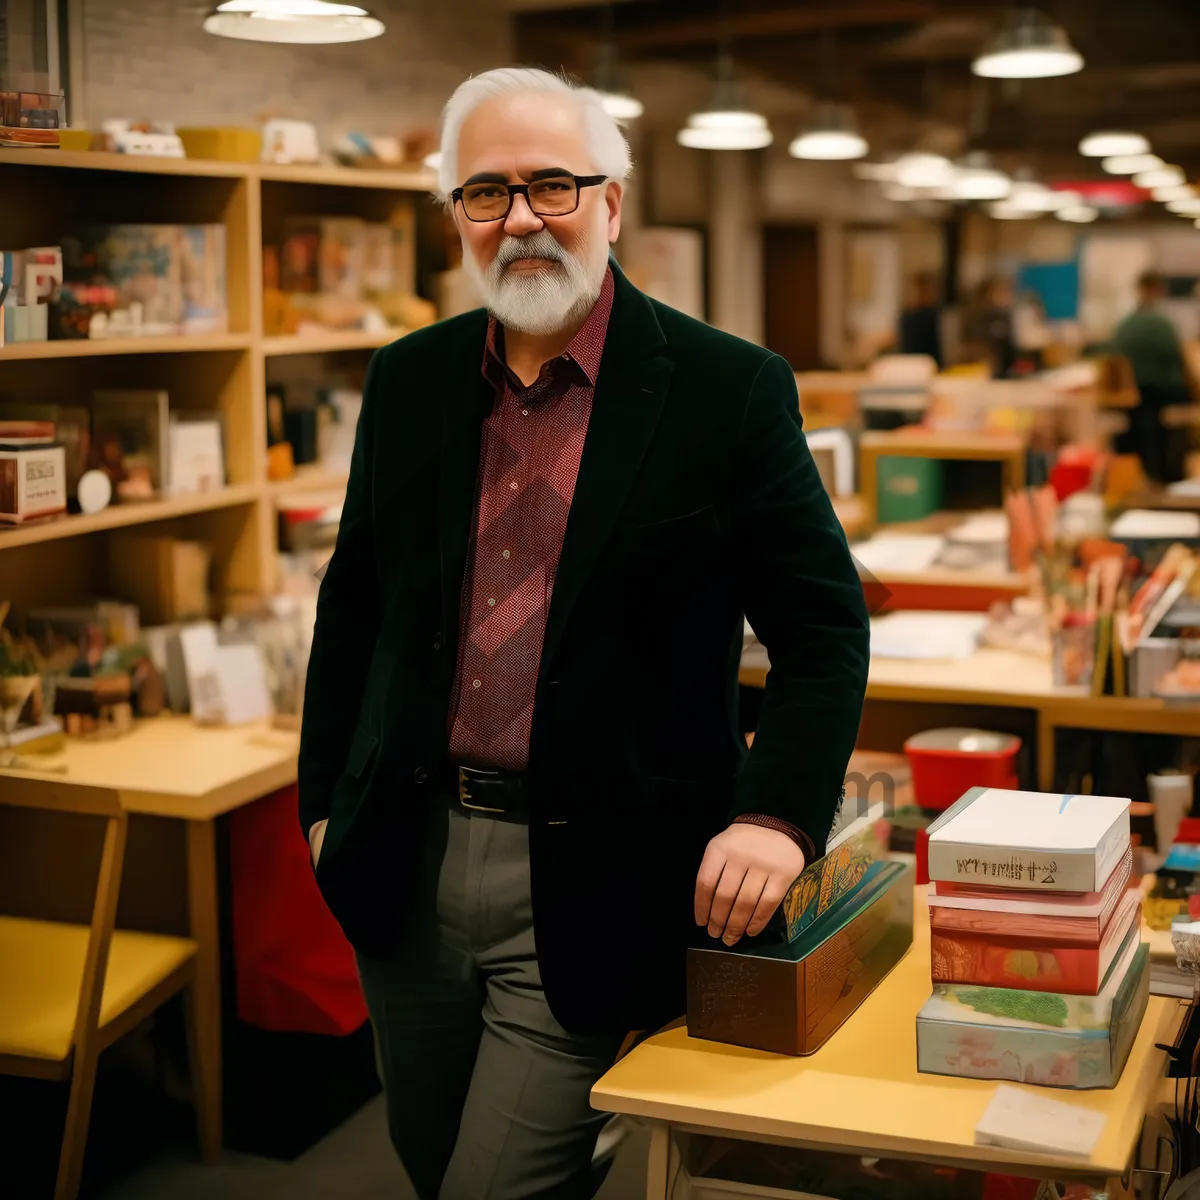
(861,1093)
(171,767)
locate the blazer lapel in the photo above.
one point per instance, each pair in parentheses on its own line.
(466,406)
(631,388)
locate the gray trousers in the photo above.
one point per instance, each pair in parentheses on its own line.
(487,1094)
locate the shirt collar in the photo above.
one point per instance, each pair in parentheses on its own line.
(583,354)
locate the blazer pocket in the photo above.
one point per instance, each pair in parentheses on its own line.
(702,520)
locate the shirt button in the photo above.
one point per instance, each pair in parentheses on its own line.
(491,602)
(437,641)
(420,775)
(513,485)
(508,554)
(475,683)
(524,412)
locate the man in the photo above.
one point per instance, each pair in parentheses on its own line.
(520,773)
(920,329)
(1148,339)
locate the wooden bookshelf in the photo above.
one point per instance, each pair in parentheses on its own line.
(43,194)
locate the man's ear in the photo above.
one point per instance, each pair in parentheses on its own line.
(614,193)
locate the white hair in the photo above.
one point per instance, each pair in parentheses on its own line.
(609,149)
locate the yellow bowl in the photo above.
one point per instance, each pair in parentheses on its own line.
(224,145)
(75,139)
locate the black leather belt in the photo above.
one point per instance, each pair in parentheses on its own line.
(497,793)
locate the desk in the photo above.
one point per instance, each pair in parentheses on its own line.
(861,1093)
(171,767)
(1003,679)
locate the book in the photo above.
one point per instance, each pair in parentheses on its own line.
(1029,963)
(1037,1037)
(26,433)
(1063,918)
(1029,840)
(789,999)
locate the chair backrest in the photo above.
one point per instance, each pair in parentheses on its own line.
(57,795)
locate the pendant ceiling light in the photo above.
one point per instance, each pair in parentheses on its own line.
(301,22)
(620,103)
(976,179)
(1165,176)
(1036,198)
(1109,142)
(921,170)
(1080,214)
(1185,208)
(1006,210)
(1131,164)
(1176,191)
(831,135)
(728,123)
(1030,46)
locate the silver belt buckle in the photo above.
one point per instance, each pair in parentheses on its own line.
(464,796)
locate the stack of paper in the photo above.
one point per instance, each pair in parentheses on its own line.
(933,635)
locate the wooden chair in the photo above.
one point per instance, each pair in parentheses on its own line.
(67,992)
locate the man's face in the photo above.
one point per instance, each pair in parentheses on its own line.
(536,273)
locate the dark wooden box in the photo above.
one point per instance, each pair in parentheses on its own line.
(790,998)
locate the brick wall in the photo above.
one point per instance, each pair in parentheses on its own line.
(151,59)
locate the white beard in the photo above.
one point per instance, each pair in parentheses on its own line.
(544,301)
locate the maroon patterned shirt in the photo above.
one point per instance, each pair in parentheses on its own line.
(529,461)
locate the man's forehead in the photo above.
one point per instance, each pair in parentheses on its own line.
(524,132)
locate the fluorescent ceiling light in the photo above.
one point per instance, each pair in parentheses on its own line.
(923,171)
(1131,164)
(1177,191)
(1111,142)
(1185,208)
(723,139)
(300,22)
(977,181)
(1006,210)
(621,106)
(1159,177)
(830,136)
(1079,213)
(723,119)
(1039,199)
(1030,46)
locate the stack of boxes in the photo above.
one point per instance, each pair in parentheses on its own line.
(1039,973)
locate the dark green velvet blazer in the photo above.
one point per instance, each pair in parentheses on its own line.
(697,501)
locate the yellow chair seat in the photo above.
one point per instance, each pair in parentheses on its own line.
(41,973)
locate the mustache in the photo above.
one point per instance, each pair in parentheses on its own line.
(532,245)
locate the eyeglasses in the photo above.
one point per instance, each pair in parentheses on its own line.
(555,196)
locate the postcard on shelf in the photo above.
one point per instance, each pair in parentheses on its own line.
(1045,1038)
(197,455)
(1032,964)
(1029,840)
(33,483)
(130,442)
(1064,918)
(1023,1120)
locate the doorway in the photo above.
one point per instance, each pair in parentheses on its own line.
(791,299)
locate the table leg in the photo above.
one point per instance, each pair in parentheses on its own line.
(203,921)
(658,1170)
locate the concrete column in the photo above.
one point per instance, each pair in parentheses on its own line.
(735,280)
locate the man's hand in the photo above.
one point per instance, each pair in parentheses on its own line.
(746,872)
(316,838)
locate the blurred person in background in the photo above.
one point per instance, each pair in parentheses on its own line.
(1031,333)
(521,777)
(920,329)
(987,327)
(1150,342)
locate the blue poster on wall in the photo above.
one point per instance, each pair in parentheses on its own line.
(1057,284)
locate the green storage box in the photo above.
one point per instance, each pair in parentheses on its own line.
(910,489)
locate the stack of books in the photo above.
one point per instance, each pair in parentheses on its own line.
(1039,972)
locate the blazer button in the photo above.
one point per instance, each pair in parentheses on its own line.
(421,775)
(437,641)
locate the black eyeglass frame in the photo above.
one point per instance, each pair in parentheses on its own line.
(522,189)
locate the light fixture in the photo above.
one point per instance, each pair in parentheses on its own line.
(618,101)
(1131,164)
(1006,210)
(432,161)
(728,123)
(898,192)
(1110,142)
(920,170)
(1030,46)
(1185,208)
(977,179)
(1081,214)
(1166,176)
(1177,191)
(879,172)
(1036,198)
(831,135)
(301,22)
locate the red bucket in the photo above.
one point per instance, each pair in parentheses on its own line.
(947,762)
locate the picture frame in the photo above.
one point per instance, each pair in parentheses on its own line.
(196,453)
(130,441)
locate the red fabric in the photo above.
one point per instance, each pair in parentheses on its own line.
(295,970)
(532,443)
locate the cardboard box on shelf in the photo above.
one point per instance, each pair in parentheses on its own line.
(33,483)
(166,577)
